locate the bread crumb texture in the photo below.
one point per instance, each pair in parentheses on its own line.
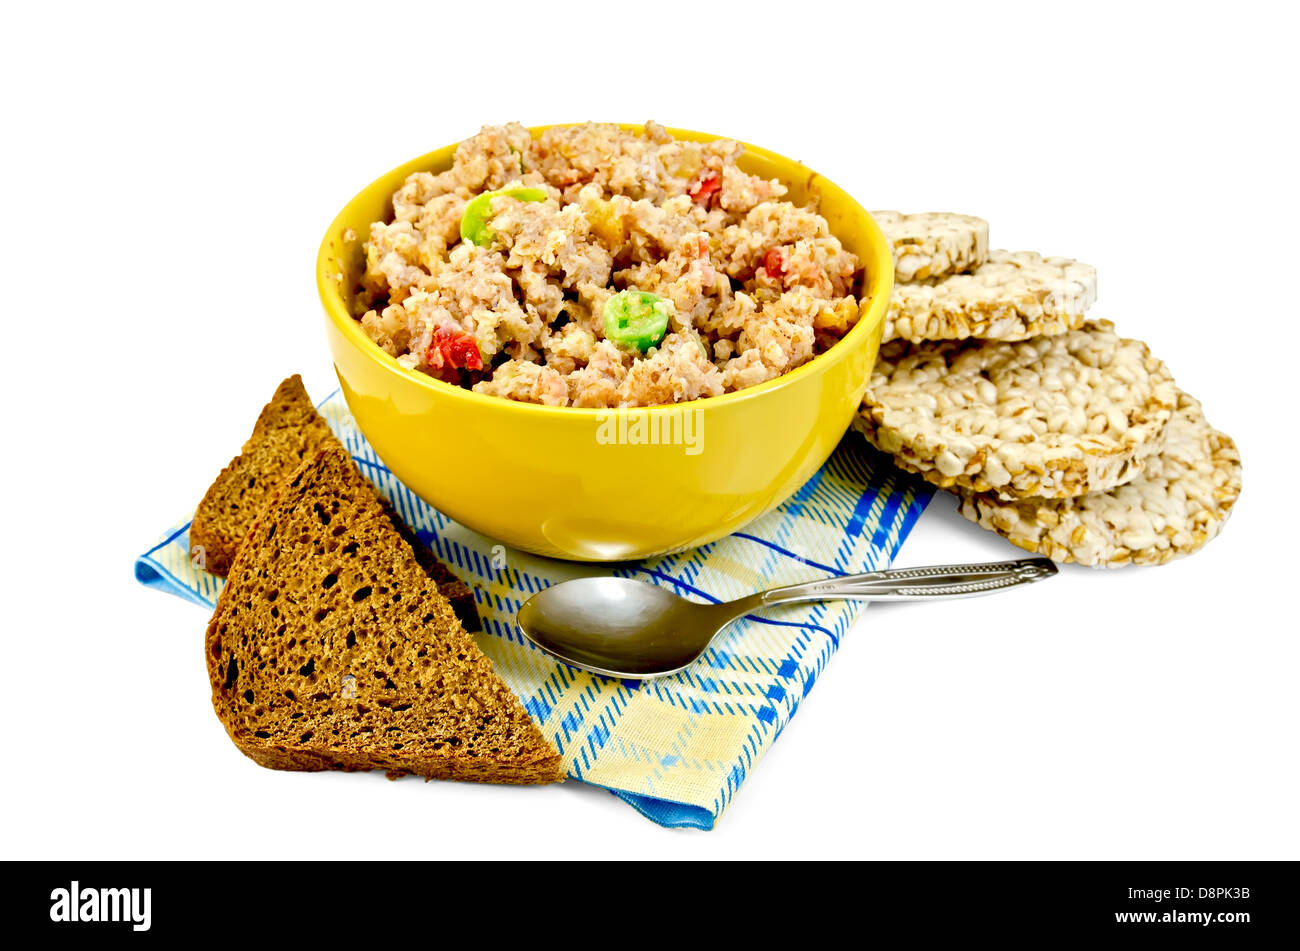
(288,430)
(332,648)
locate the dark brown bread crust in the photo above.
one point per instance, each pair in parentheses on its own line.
(330,648)
(288,430)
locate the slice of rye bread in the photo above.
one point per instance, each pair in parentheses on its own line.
(287,431)
(330,648)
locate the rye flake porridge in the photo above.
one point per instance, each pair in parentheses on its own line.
(600,267)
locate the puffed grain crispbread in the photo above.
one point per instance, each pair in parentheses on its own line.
(934,244)
(1053,416)
(1014,296)
(1176,504)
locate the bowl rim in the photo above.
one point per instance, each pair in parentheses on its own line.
(871,312)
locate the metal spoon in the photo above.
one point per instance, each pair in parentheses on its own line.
(624,628)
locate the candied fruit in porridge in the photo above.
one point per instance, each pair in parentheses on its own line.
(596,266)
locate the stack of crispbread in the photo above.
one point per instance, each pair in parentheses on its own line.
(1054,431)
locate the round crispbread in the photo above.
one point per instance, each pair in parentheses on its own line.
(934,244)
(1179,502)
(1013,296)
(1053,416)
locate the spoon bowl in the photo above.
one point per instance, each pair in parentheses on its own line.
(619,627)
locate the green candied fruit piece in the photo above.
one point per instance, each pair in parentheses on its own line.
(473,223)
(637,319)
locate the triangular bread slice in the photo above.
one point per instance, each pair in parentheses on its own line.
(330,648)
(288,430)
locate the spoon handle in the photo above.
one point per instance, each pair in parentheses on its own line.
(916,584)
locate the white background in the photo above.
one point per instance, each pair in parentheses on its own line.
(167,176)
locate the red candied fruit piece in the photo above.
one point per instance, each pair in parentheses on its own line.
(774,264)
(453,349)
(705,191)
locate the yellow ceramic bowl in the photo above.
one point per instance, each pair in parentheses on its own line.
(591,484)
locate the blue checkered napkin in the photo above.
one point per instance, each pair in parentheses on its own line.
(677,748)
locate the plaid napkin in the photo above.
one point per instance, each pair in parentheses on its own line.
(676,748)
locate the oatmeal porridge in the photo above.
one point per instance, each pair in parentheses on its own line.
(600,267)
